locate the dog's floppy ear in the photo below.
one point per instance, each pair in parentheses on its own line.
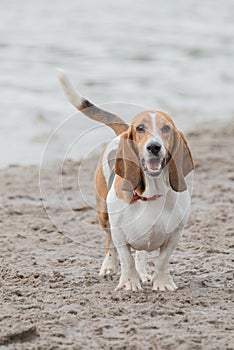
(127,163)
(181,162)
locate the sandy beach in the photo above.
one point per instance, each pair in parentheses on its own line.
(52,296)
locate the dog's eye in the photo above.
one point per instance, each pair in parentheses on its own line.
(140,128)
(165,129)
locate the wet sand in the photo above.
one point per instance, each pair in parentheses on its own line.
(52,296)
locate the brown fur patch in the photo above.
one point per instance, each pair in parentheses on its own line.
(112,120)
(128,168)
(101,190)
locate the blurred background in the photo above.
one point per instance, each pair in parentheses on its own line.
(125,55)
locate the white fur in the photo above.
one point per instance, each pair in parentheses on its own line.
(113,145)
(72,94)
(110,263)
(153,119)
(140,262)
(155,137)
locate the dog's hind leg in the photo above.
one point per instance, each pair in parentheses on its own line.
(110,263)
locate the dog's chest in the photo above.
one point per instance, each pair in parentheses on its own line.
(147,227)
(147,224)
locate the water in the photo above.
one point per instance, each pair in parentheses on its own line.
(176,56)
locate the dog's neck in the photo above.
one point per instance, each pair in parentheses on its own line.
(156,186)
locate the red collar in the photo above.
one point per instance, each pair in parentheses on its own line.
(137,198)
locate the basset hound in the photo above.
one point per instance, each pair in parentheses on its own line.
(142,198)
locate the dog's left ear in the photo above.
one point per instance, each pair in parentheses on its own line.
(127,164)
(181,162)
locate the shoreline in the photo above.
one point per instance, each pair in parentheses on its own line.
(52,295)
(80,152)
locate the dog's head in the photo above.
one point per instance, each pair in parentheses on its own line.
(152,143)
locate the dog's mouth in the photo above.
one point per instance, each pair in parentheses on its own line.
(153,167)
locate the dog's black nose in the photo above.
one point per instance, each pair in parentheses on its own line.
(154,148)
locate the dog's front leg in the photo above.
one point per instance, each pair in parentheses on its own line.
(129,278)
(162,279)
(140,261)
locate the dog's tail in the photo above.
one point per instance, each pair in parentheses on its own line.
(89,109)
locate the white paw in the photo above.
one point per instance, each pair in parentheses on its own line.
(109,265)
(163,283)
(144,277)
(129,282)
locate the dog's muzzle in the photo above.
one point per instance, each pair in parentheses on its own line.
(154,159)
(153,167)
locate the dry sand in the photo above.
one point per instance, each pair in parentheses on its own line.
(52,296)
